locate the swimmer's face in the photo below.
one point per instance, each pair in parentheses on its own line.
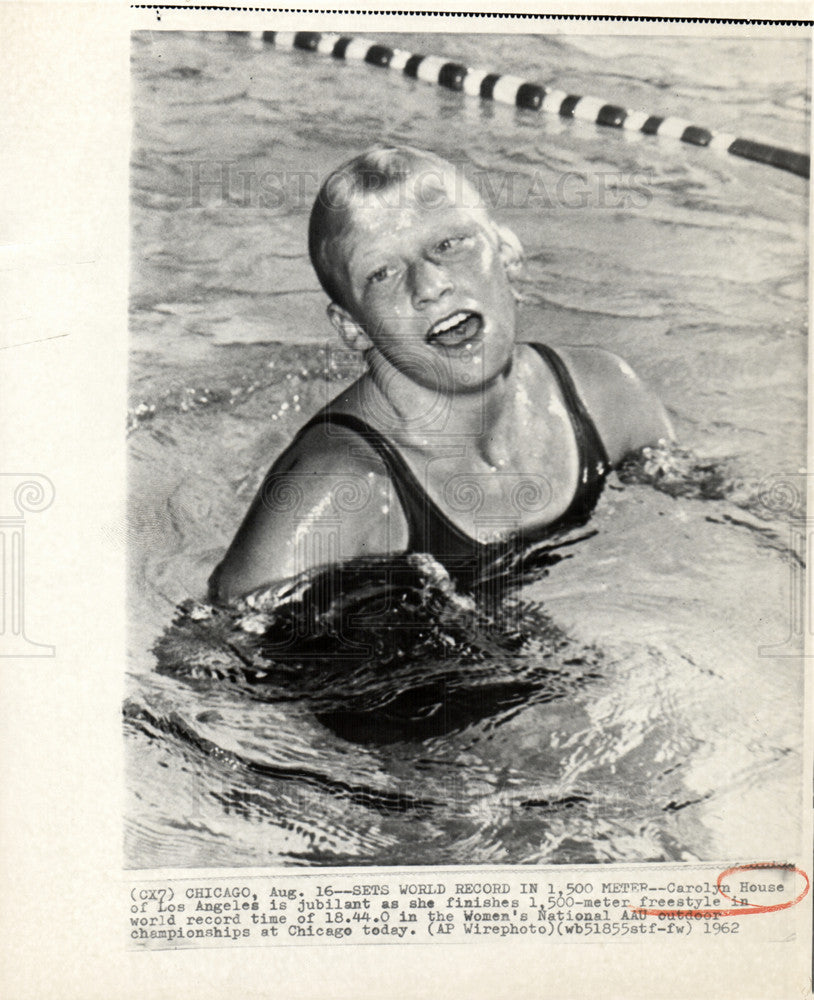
(425,282)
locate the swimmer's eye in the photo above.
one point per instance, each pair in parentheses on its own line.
(452,243)
(380,274)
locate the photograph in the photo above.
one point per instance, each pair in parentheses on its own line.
(466,446)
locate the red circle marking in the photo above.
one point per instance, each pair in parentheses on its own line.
(744,908)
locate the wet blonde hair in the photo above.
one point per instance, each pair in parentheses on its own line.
(378,170)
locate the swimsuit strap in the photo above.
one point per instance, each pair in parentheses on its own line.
(419,509)
(429,528)
(594,463)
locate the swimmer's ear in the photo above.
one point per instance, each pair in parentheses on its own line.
(510,248)
(352,334)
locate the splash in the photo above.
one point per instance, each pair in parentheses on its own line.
(385,649)
(679,472)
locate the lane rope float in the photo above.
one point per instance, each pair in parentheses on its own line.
(508,89)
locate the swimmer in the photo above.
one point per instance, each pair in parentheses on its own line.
(457,440)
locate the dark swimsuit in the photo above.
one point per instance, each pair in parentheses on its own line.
(429,528)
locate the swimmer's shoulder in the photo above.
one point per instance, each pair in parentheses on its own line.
(335,467)
(626,412)
(327,497)
(331,443)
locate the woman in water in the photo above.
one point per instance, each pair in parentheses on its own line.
(457,440)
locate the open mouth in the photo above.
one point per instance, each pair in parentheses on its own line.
(456,329)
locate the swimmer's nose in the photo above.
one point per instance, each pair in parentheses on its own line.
(429,282)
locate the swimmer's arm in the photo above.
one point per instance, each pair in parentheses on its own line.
(627,413)
(318,505)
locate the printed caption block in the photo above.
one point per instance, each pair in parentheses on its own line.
(720,902)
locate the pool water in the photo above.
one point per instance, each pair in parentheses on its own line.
(641,697)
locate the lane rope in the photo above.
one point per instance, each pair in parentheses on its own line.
(508,89)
